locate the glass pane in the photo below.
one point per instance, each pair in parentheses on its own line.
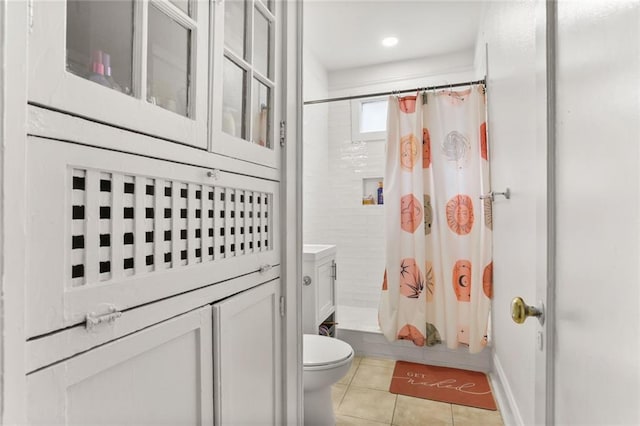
(233,94)
(234,26)
(261,114)
(168,60)
(373,116)
(183,5)
(100,42)
(261,44)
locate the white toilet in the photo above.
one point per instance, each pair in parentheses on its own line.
(326,360)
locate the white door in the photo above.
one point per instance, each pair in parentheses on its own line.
(247,357)
(597,357)
(160,375)
(517,125)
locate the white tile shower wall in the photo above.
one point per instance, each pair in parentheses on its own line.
(357,229)
(315,152)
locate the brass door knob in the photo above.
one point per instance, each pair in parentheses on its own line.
(520,311)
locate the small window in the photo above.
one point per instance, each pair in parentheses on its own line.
(369,119)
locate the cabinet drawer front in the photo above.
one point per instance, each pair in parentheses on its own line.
(108,229)
(161,375)
(69,39)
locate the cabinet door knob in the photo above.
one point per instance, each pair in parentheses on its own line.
(306,280)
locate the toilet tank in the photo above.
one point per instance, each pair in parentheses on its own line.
(319,285)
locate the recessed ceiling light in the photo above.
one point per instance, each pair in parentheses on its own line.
(389,41)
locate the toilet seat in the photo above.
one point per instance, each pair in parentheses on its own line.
(322,352)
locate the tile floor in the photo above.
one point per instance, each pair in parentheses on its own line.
(362,397)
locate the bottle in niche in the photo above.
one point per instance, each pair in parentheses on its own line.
(106,62)
(380,196)
(97,69)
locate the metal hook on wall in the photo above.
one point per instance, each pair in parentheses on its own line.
(492,195)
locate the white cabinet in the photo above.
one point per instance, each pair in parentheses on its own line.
(138,65)
(153,181)
(319,285)
(160,375)
(112,230)
(247,361)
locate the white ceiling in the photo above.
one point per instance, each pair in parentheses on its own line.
(347,33)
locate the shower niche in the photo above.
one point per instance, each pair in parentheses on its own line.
(372,191)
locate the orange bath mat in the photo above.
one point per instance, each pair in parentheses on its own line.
(451,385)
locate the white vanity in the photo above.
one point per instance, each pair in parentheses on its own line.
(319,272)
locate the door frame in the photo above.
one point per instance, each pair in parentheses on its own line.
(291,212)
(14,23)
(545,208)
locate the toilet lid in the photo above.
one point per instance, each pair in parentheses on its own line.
(322,350)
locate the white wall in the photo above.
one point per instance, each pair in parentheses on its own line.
(434,70)
(597,361)
(509,29)
(315,151)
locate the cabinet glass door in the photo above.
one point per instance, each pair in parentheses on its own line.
(139,65)
(99,41)
(246,68)
(168,51)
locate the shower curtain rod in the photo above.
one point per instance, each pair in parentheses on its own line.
(394,92)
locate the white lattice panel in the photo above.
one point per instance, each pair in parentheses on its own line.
(121,230)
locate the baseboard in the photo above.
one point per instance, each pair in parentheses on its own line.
(367,343)
(504,396)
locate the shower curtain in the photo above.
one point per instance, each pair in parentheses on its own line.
(438,277)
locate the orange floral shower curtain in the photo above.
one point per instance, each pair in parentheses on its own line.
(438,278)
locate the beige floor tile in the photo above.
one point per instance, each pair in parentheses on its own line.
(352,371)
(418,412)
(356,360)
(354,421)
(468,416)
(368,404)
(337,393)
(373,377)
(380,362)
